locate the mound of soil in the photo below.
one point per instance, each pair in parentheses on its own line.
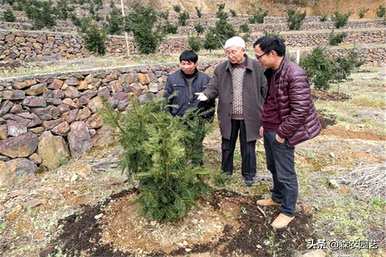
(329,96)
(223,224)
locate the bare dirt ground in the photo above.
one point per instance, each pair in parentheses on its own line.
(87,208)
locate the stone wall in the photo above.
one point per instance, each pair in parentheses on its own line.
(34,46)
(46,120)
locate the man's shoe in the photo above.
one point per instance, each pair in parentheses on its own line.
(267,202)
(281,221)
(249,182)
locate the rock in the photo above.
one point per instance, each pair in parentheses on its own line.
(104,137)
(35,158)
(20,146)
(12,95)
(35,101)
(143,78)
(50,124)
(83,85)
(79,139)
(72,81)
(17,108)
(56,84)
(104,92)
(145,98)
(71,92)
(20,85)
(37,130)
(7,177)
(332,183)
(3,132)
(83,114)
(95,121)
(315,253)
(129,78)
(70,116)
(21,166)
(95,104)
(52,150)
(37,89)
(70,103)
(54,101)
(5,107)
(61,129)
(15,128)
(134,88)
(34,120)
(116,86)
(4,158)
(154,88)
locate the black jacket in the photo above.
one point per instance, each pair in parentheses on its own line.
(178,95)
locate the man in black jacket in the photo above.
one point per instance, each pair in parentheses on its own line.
(180,90)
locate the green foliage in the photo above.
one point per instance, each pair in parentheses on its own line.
(194,43)
(199,28)
(63,9)
(319,68)
(114,22)
(177,8)
(258,16)
(198,12)
(216,37)
(93,36)
(340,19)
(362,12)
(323,18)
(164,15)
(322,70)
(142,21)
(41,13)
(381,11)
(182,18)
(244,28)
(233,13)
(295,19)
(336,39)
(170,28)
(156,152)
(8,16)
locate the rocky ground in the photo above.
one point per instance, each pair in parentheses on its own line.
(86,207)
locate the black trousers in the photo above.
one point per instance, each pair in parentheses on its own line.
(280,162)
(247,149)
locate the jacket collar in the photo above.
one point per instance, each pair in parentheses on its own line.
(249,64)
(283,66)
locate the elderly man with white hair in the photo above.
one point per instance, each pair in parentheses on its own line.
(240,85)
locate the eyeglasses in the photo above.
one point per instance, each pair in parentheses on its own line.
(259,56)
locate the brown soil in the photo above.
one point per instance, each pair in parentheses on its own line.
(340,132)
(329,96)
(224,224)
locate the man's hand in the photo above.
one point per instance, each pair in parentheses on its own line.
(261,131)
(279,139)
(201,97)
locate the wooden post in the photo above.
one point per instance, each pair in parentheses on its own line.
(126,36)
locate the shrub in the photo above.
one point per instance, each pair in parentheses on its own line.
(319,68)
(233,13)
(170,28)
(323,18)
(182,18)
(244,28)
(194,43)
(381,11)
(295,19)
(114,22)
(216,37)
(41,14)
(177,8)
(323,70)
(198,12)
(199,28)
(336,39)
(63,9)
(94,37)
(8,16)
(141,20)
(258,16)
(164,15)
(362,12)
(156,152)
(340,19)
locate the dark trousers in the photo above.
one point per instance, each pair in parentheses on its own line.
(248,154)
(280,162)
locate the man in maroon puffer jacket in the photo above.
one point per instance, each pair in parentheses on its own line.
(289,118)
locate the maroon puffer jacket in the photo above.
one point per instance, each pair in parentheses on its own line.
(299,120)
